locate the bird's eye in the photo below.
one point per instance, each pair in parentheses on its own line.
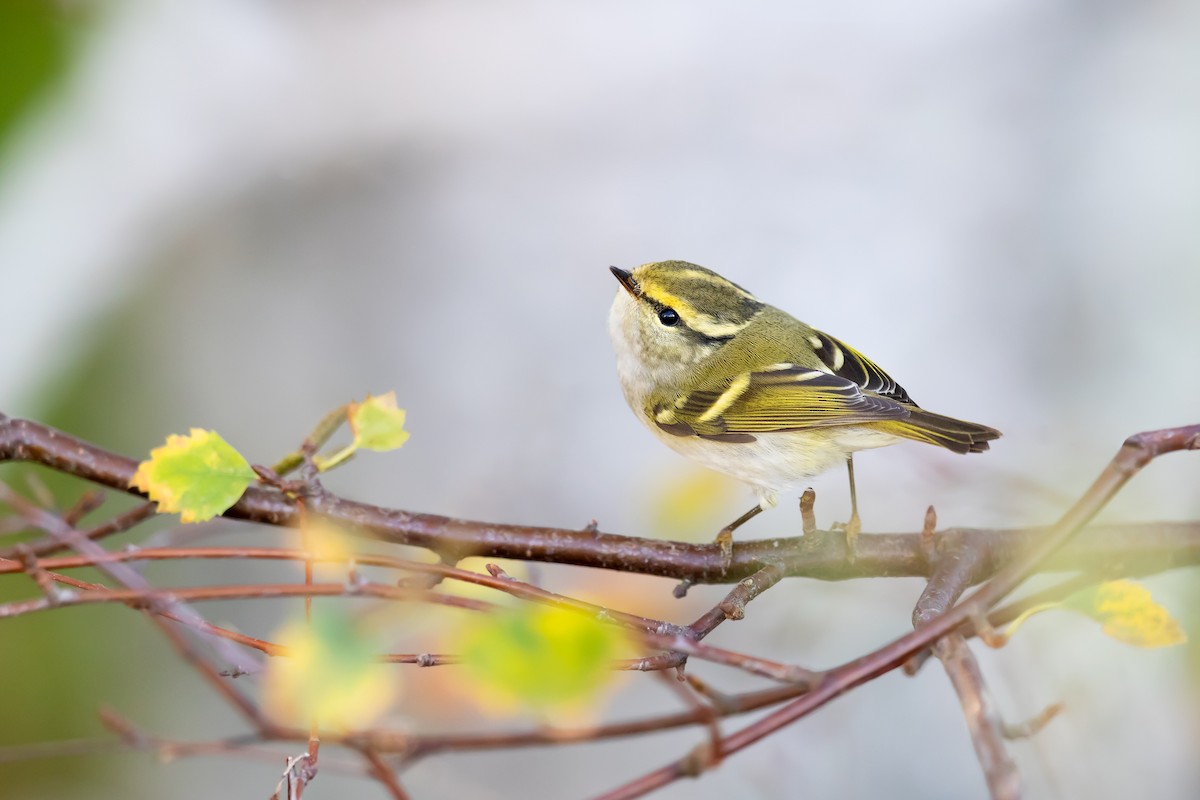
(668,317)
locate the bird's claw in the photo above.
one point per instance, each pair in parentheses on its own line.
(852,529)
(724,541)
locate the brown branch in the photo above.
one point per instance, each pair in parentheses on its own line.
(775,670)
(983,722)
(118,524)
(123,574)
(1137,451)
(167,749)
(1011,555)
(734,604)
(681,641)
(384,774)
(1143,548)
(709,754)
(146,598)
(956,567)
(953,571)
(499,582)
(417,746)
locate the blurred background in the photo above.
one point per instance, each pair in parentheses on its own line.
(238,214)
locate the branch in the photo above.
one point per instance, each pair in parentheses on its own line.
(954,570)
(1143,547)
(1137,451)
(985,725)
(952,560)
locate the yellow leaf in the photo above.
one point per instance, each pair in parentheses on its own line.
(539,658)
(692,505)
(330,676)
(377,423)
(1128,613)
(329,545)
(197,476)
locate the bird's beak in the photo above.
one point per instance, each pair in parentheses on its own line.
(627,281)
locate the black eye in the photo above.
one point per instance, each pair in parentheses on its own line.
(668,317)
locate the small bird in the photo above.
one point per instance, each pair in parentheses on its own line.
(748,390)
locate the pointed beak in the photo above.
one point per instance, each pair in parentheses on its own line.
(626,280)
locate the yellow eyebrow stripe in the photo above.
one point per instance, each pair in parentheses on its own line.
(716,280)
(696,320)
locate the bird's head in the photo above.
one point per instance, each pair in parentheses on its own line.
(670,314)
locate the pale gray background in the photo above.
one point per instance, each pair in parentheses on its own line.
(268,208)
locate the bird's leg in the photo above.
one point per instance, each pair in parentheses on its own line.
(724,539)
(855,524)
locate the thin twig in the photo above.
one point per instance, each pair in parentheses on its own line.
(122,573)
(983,722)
(734,604)
(1137,451)
(707,714)
(191,594)
(1142,548)
(1030,727)
(1145,547)
(384,774)
(118,524)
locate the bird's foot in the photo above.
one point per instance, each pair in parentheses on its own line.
(851,530)
(724,541)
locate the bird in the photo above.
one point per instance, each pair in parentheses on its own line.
(750,391)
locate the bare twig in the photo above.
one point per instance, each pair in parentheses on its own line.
(315,441)
(958,558)
(118,524)
(983,722)
(708,717)
(384,774)
(955,568)
(1030,727)
(734,604)
(1144,547)
(1137,451)
(147,598)
(808,517)
(787,673)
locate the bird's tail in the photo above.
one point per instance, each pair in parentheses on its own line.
(952,434)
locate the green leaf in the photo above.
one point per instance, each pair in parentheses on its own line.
(541,658)
(331,675)
(377,423)
(198,476)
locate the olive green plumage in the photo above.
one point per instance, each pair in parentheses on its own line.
(749,390)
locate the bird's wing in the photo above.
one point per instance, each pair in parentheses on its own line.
(844,361)
(780,398)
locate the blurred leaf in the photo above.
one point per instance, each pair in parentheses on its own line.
(199,475)
(1128,614)
(377,423)
(330,676)
(35,40)
(1125,610)
(692,505)
(330,545)
(538,658)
